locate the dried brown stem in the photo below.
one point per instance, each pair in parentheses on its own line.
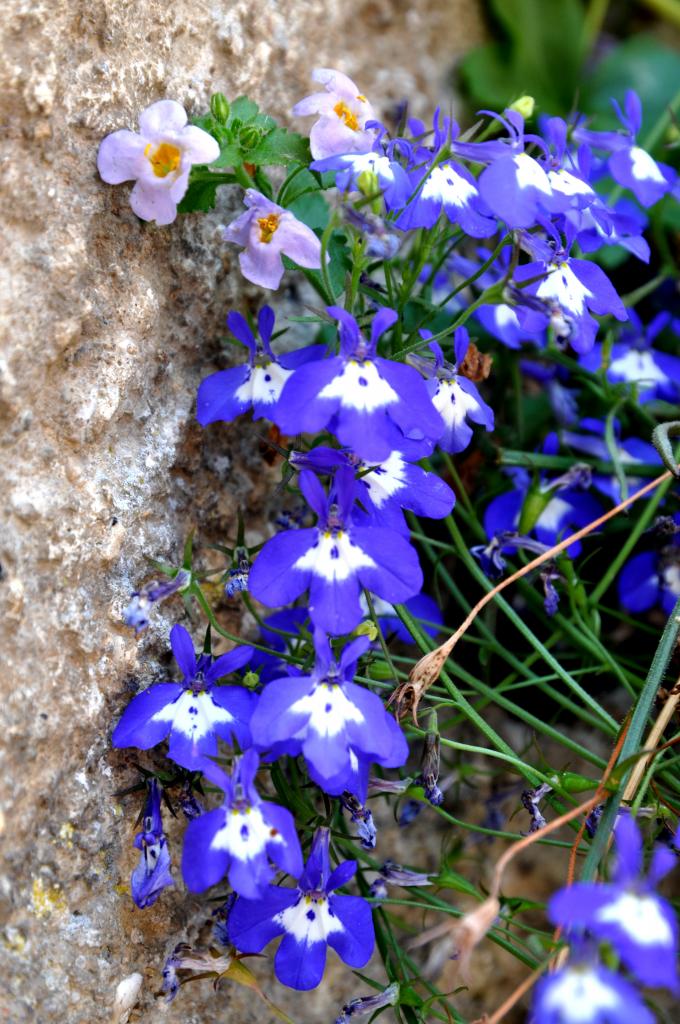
(425,672)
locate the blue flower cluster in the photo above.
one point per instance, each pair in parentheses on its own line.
(365,408)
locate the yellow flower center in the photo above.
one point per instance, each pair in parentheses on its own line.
(346,115)
(164,159)
(268,226)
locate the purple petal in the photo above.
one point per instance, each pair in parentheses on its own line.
(217,395)
(120,157)
(354,945)
(203,866)
(183,650)
(397,575)
(300,965)
(273,578)
(251,922)
(161,117)
(135,728)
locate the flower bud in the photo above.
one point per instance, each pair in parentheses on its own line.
(249,136)
(524,105)
(219,107)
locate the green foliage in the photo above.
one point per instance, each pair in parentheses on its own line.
(248,140)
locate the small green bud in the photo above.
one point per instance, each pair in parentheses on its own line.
(524,105)
(251,680)
(368,183)
(572,782)
(219,107)
(673,133)
(249,136)
(368,629)
(534,504)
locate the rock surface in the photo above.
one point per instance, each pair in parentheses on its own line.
(109,324)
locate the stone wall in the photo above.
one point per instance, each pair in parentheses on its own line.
(109,324)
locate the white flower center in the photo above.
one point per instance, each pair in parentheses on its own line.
(245,834)
(194,715)
(309,921)
(334,557)
(329,710)
(360,387)
(640,918)
(579,997)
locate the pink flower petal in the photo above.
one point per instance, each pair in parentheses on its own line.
(120,157)
(164,116)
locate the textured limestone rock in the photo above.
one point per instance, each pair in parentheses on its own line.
(108,326)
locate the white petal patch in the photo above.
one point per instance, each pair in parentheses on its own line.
(671,578)
(638,367)
(553,515)
(334,557)
(381,607)
(452,403)
(329,710)
(264,384)
(530,174)
(567,184)
(194,715)
(643,167)
(640,918)
(445,185)
(579,996)
(505,316)
(360,387)
(386,479)
(309,921)
(245,834)
(371,162)
(563,286)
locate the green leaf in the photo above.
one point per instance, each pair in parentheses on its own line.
(524,62)
(280,147)
(312,210)
(640,63)
(243,109)
(452,880)
(200,195)
(230,156)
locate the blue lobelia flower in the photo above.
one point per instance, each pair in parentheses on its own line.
(371,172)
(629,164)
(652,578)
(229,393)
(455,397)
(363,1005)
(310,917)
(386,488)
(444,185)
(195,712)
(339,727)
(142,601)
(562,506)
(628,452)
(240,837)
(335,559)
(573,289)
(620,224)
(152,874)
(514,186)
(567,171)
(368,402)
(585,993)
(523,321)
(633,360)
(626,912)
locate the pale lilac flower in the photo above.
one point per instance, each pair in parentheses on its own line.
(267,231)
(158,159)
(343,110)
